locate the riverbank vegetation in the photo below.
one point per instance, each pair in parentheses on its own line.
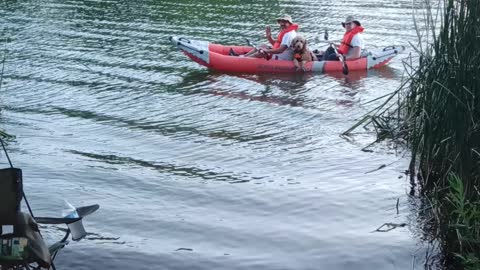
(3,134)
(436,113)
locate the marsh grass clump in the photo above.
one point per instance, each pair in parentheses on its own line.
(436,112)
(442,106)
(462,226)
(3,134)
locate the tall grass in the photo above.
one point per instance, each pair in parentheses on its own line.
(463,225)
(437,113)
(442,106)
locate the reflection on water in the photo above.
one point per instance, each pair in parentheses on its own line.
(200,169)
(354,78)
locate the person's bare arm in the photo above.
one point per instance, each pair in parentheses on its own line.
(268,33)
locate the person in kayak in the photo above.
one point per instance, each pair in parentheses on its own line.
(280,48)
(352,43)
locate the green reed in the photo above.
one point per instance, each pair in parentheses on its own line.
(462,225)
(5,135)
(442,106)
(436,112)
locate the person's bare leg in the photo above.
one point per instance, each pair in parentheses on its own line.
(250,53)
(258,55)
(255,53)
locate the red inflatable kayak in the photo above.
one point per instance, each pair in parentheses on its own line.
(216,57)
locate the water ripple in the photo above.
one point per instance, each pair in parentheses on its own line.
(106,110)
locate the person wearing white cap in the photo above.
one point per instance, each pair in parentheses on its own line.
(352,43)
(280,48)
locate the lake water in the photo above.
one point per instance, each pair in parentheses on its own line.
(196,169)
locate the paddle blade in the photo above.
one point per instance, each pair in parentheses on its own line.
(344,63)
(345,68)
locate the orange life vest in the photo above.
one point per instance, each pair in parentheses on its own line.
(277,43)
(347,39)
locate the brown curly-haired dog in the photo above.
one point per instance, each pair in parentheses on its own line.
(302,54)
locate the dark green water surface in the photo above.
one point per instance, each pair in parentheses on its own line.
(196,169)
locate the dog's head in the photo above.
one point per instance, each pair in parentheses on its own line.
(299,43)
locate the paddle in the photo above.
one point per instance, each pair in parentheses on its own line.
(341,58)
(256,48)
(253,45)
